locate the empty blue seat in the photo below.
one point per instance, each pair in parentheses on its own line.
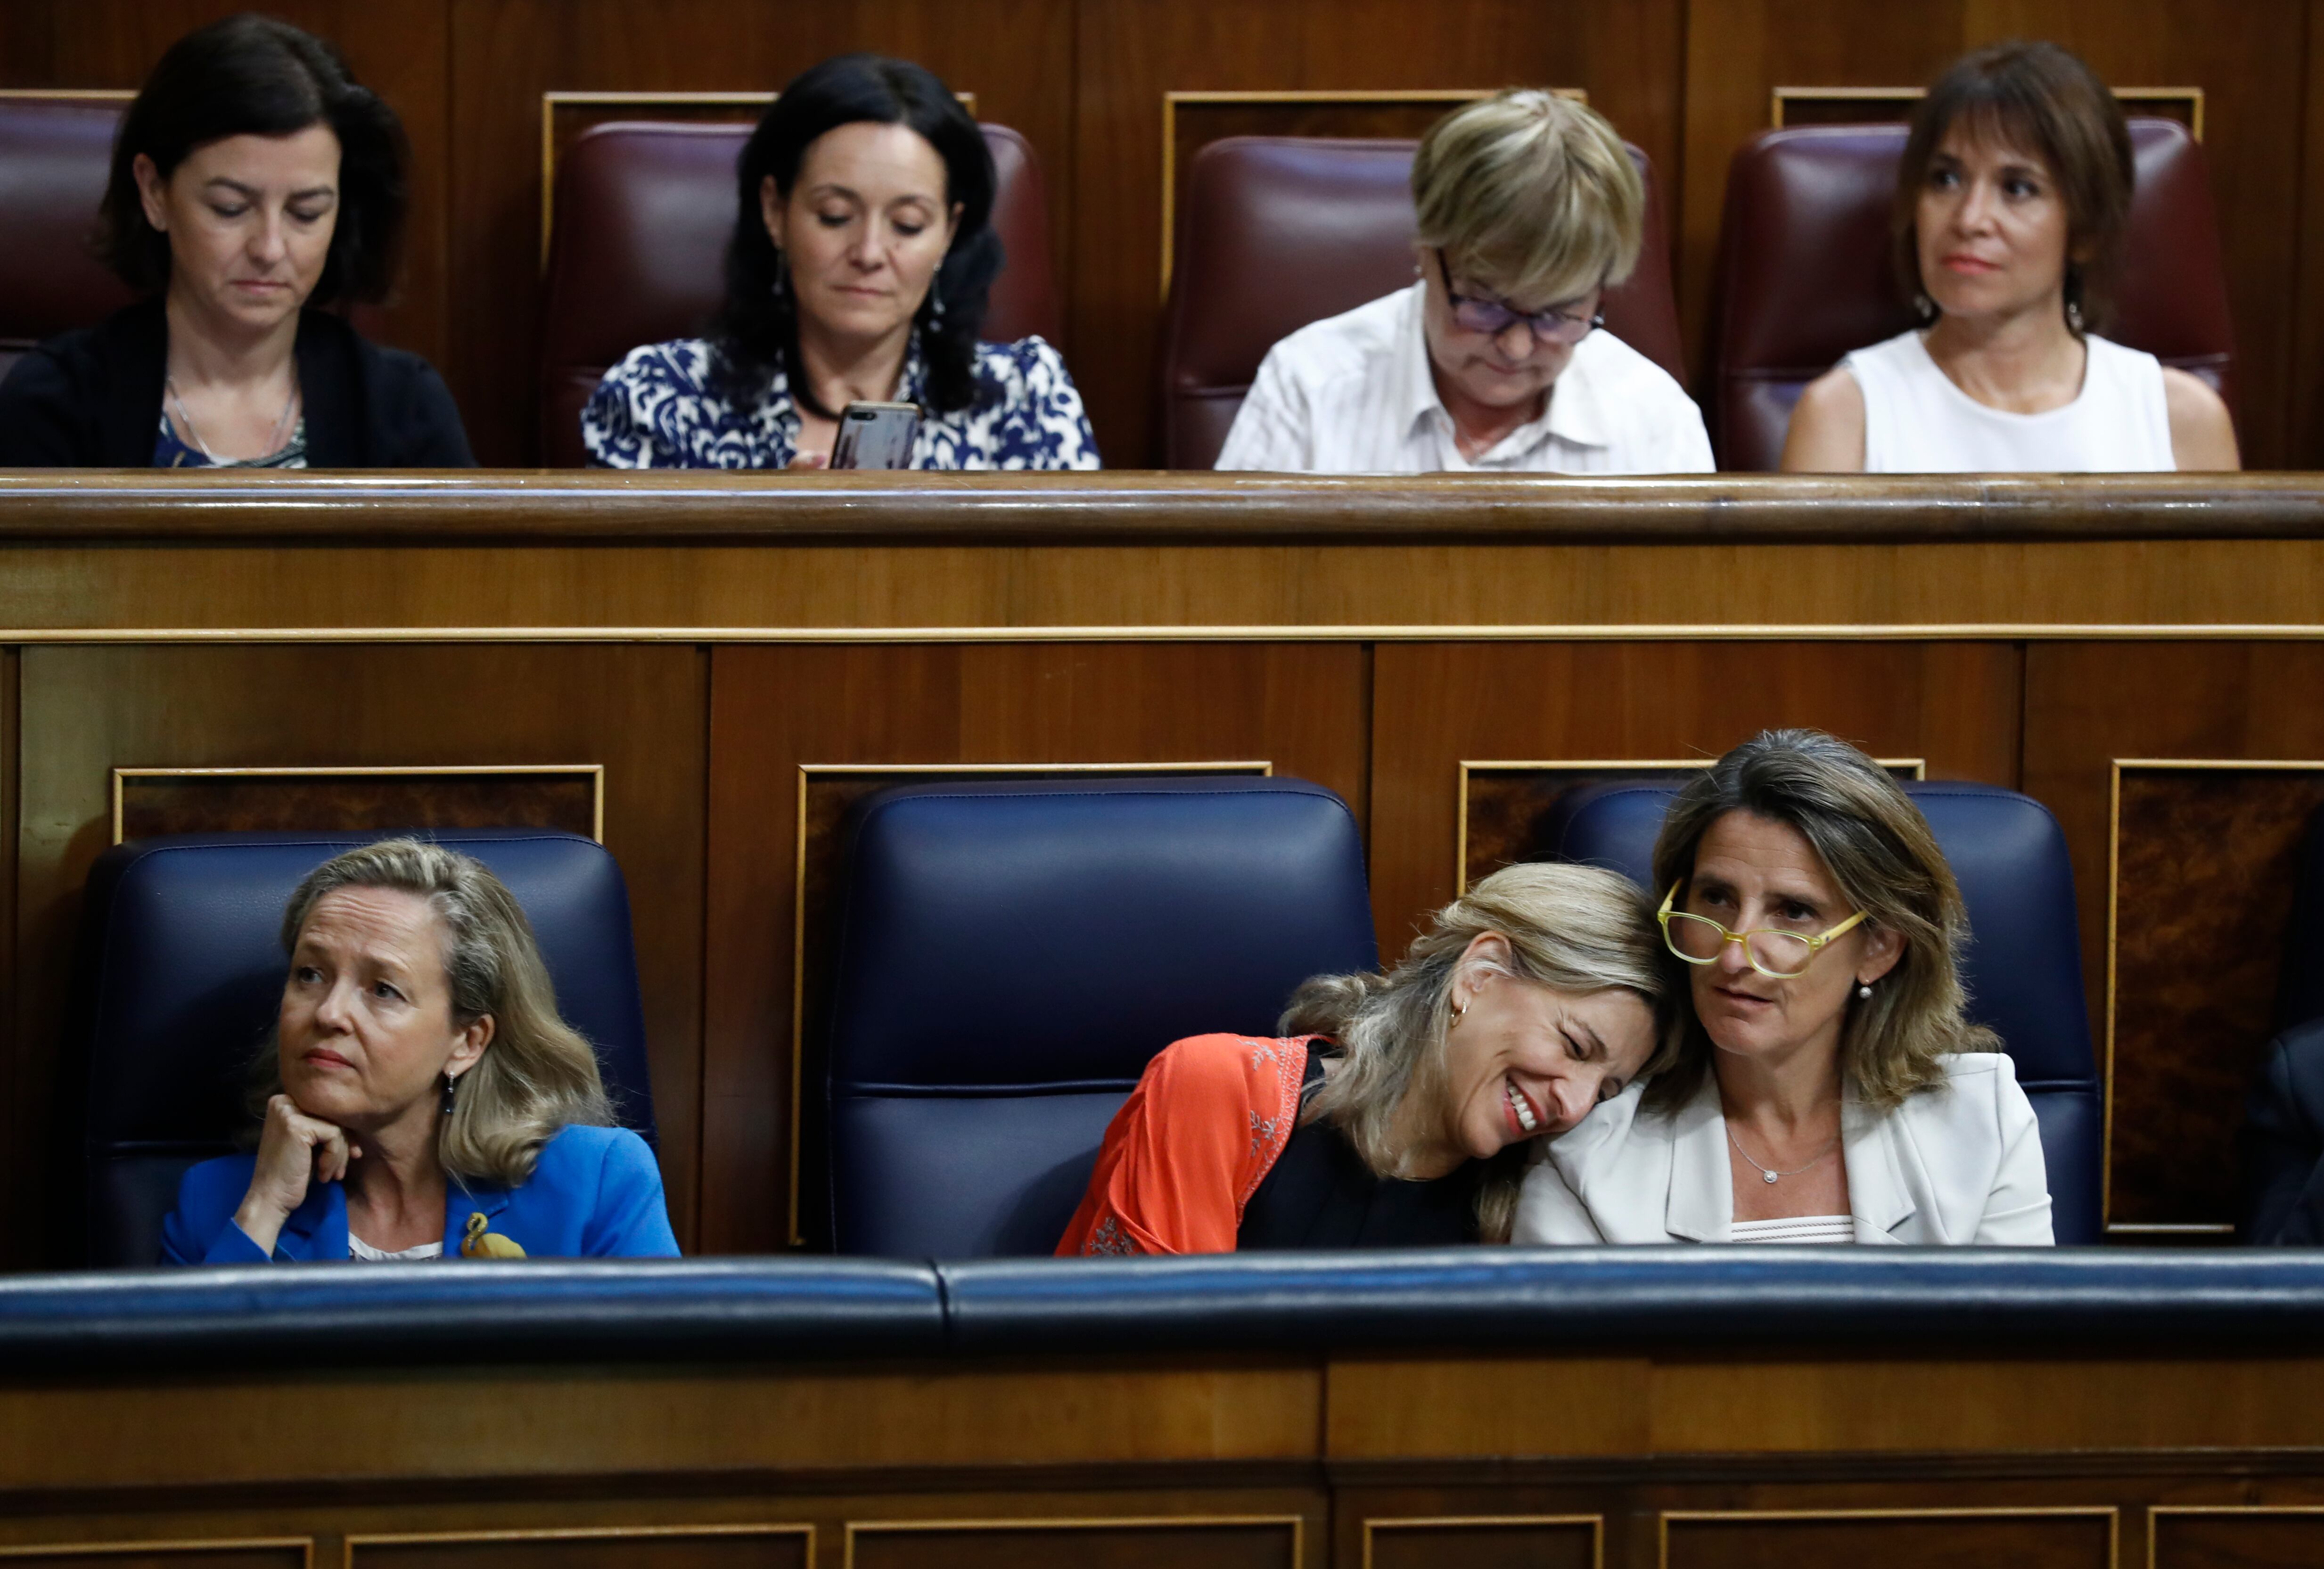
(181,974)
(2022,967)
(1012,955)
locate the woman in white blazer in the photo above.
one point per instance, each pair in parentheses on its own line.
(1827,1087)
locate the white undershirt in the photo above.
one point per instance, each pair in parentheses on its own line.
(363,1251)
(1795,1229)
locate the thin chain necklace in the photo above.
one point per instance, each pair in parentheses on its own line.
(274,442)
(1766,1175)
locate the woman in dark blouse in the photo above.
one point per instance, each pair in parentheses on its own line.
(1399,1109)
(254,184)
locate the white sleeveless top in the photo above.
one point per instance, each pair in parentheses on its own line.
(1916,422)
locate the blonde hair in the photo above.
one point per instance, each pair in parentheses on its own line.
(538,1074)
(1577,929)
(1532,194)
(1881,851)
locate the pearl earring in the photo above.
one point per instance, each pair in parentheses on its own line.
(1865,990)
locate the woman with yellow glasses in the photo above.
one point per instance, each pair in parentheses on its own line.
(1828,1087)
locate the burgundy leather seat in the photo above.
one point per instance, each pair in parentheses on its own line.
(54,157)
(1805,275)
(638,254)
(1277,232)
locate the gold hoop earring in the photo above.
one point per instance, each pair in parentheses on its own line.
(1460,1012)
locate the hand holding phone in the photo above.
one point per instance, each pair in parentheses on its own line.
(875,436)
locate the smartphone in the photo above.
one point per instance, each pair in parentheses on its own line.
(875,436)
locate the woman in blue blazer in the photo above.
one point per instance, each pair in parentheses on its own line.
(422,1099)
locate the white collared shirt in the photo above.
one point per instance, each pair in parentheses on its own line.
(1353,394)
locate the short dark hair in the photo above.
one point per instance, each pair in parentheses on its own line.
(252,76)
(2041,96)
(756,330)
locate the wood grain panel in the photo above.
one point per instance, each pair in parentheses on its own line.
(2205,866)
(400,52)
(210,803)
(702,1547)
(1015,55)
(1490,1543)
(160,1555)
(2086,705)
(1934,1539)
(1133,52)
(1436,705)
(1298,706)
(1149,1544)
(1738,50)
(640,711)
(2230,1537)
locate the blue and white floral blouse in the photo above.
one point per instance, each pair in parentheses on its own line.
(656,410)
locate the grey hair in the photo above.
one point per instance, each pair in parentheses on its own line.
(538,1074)
(1578,929)
(1886,862)
(1532,193)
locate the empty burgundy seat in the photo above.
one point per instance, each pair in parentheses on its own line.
(54,158)
(1277,232)
(1805,275)
(638,254)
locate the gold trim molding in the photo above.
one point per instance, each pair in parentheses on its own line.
(189,1545)
(2107,1224)
(2129,97)
(1596,1524)
(2155,1512)
(573,1534)
(594,772)
(904,772)
(2112,1515)
(1297,1523)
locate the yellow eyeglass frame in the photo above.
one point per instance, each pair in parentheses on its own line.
(1815,944)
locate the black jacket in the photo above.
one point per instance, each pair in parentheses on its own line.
(2282,1141)
(92,399)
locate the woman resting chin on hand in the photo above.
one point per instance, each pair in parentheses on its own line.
(424,1099)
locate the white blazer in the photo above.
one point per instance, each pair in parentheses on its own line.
(1958,1163)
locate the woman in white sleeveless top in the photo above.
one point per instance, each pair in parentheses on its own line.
(1827,1087)
(2011,201)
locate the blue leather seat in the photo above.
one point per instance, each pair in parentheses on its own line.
(1012,955)
(180,972)
(2023,963)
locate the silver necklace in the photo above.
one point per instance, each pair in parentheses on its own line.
(274,442)
(1766,1175)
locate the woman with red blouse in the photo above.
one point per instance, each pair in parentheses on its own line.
(1396,1110)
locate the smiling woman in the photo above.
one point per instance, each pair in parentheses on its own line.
(421,1098)
(254,184)
(1399,1109)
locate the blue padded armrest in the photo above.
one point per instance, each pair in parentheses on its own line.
(182,972)
(1012,955)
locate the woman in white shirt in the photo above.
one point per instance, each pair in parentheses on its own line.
(1828,1087)
(2011,201)
(1496,360)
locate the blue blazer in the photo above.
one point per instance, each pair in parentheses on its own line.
(594,1192)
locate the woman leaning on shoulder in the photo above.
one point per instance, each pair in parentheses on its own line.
(254,184)
(2011,203)
(859,270)
(1397,1110)
(1827,1087)
(421,1098)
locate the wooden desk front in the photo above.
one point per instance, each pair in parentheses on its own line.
(711,667)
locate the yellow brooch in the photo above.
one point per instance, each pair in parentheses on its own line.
(479,1243)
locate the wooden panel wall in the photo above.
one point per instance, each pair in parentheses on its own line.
(1084,80)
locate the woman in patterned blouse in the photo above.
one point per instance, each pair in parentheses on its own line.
(863,254)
